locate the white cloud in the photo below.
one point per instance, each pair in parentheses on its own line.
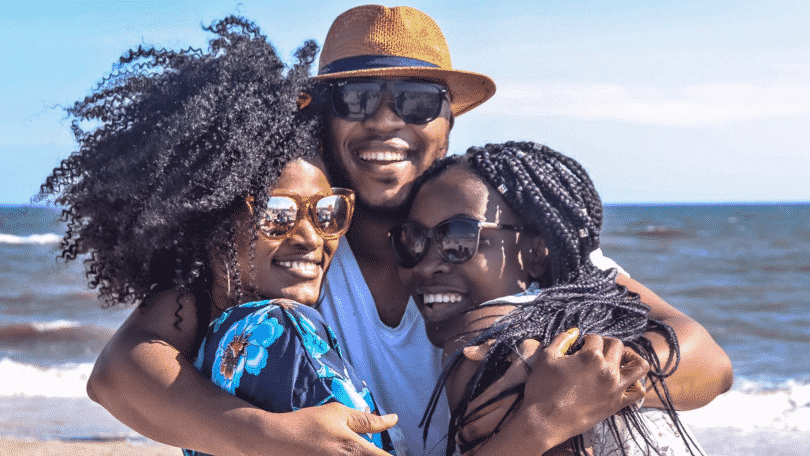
(693,105)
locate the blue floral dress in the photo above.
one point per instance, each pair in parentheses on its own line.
(282,356)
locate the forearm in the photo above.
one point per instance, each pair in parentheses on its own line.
(143,377)
(704,371)
(149,386)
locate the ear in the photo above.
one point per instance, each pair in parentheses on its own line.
(249,200)
(538,257)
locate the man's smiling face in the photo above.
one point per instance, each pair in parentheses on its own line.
(382,155)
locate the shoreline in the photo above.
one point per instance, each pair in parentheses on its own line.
(716,442)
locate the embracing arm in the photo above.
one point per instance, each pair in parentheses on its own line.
(704,371)
(565,395)
(144,379)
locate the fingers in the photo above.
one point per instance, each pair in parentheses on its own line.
(592,344)
(633,368)
(528,348)
(613,350)
(562,342)
(484,419)
(478,352)
(484,422)
(368,423)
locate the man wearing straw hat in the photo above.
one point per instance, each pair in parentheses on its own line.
(373,58)
(392,96)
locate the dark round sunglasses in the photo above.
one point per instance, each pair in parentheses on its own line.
(415,102)
(455,239)
(329,214)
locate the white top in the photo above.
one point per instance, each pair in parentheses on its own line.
(665,439)
(399,365)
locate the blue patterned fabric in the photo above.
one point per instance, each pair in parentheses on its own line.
(282,356)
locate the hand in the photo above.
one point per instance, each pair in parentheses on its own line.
(565,395)
(331,429)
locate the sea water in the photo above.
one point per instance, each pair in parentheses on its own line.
(742,271)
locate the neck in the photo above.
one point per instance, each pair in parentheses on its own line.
(368,237)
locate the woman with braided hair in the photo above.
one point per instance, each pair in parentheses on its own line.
(512,228)
(198,194)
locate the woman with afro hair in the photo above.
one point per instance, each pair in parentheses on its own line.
(197,193)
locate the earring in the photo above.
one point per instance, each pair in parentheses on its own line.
(228,274)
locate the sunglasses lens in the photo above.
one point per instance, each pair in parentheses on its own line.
(409,244)
(417,102)
(280,216)
(356,100)
(332,214)
(457,240)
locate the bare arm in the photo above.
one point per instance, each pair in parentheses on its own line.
(705,369)
(144,379)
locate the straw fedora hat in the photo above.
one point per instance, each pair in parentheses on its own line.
(376,41)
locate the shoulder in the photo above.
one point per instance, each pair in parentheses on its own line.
(170,316)
(604,263)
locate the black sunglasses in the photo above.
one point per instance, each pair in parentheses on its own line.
(456,239)
(414,102)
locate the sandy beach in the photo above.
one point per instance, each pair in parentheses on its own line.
(56,447)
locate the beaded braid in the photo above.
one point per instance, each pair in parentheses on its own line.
(556,199)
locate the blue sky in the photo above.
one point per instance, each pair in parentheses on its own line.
(663,102)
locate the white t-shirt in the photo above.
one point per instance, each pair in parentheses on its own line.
(399,365)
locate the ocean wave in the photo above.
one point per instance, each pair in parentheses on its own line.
(661,232)
(33,239)
(52,343)
(57,331)
(66,380)
(54,325)
(755,405)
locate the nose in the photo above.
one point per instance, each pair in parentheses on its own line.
(432,264)
(305,237)
(384,118)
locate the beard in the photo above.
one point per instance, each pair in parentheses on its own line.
(338,177)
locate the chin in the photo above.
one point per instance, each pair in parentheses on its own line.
(392,208)
(305,297)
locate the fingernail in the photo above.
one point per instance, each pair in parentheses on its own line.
(573,330)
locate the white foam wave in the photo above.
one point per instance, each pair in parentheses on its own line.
(33,239)
(67,380)
(54,325)
(750,406)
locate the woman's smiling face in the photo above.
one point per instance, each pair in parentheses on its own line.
(444,291)
(293,267)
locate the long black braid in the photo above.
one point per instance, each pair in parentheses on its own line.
(170,145)
(555,197)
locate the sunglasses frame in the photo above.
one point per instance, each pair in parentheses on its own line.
(429,235)
(306,206)
(444,93)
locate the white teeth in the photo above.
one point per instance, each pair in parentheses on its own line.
(306,267)
(441,297)
(383,156)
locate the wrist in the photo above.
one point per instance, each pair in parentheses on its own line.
(244,424)
(542,428)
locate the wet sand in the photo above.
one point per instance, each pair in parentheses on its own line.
(26,447)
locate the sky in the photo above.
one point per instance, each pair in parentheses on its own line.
(662,102)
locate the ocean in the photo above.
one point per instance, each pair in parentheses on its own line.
(743,271)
